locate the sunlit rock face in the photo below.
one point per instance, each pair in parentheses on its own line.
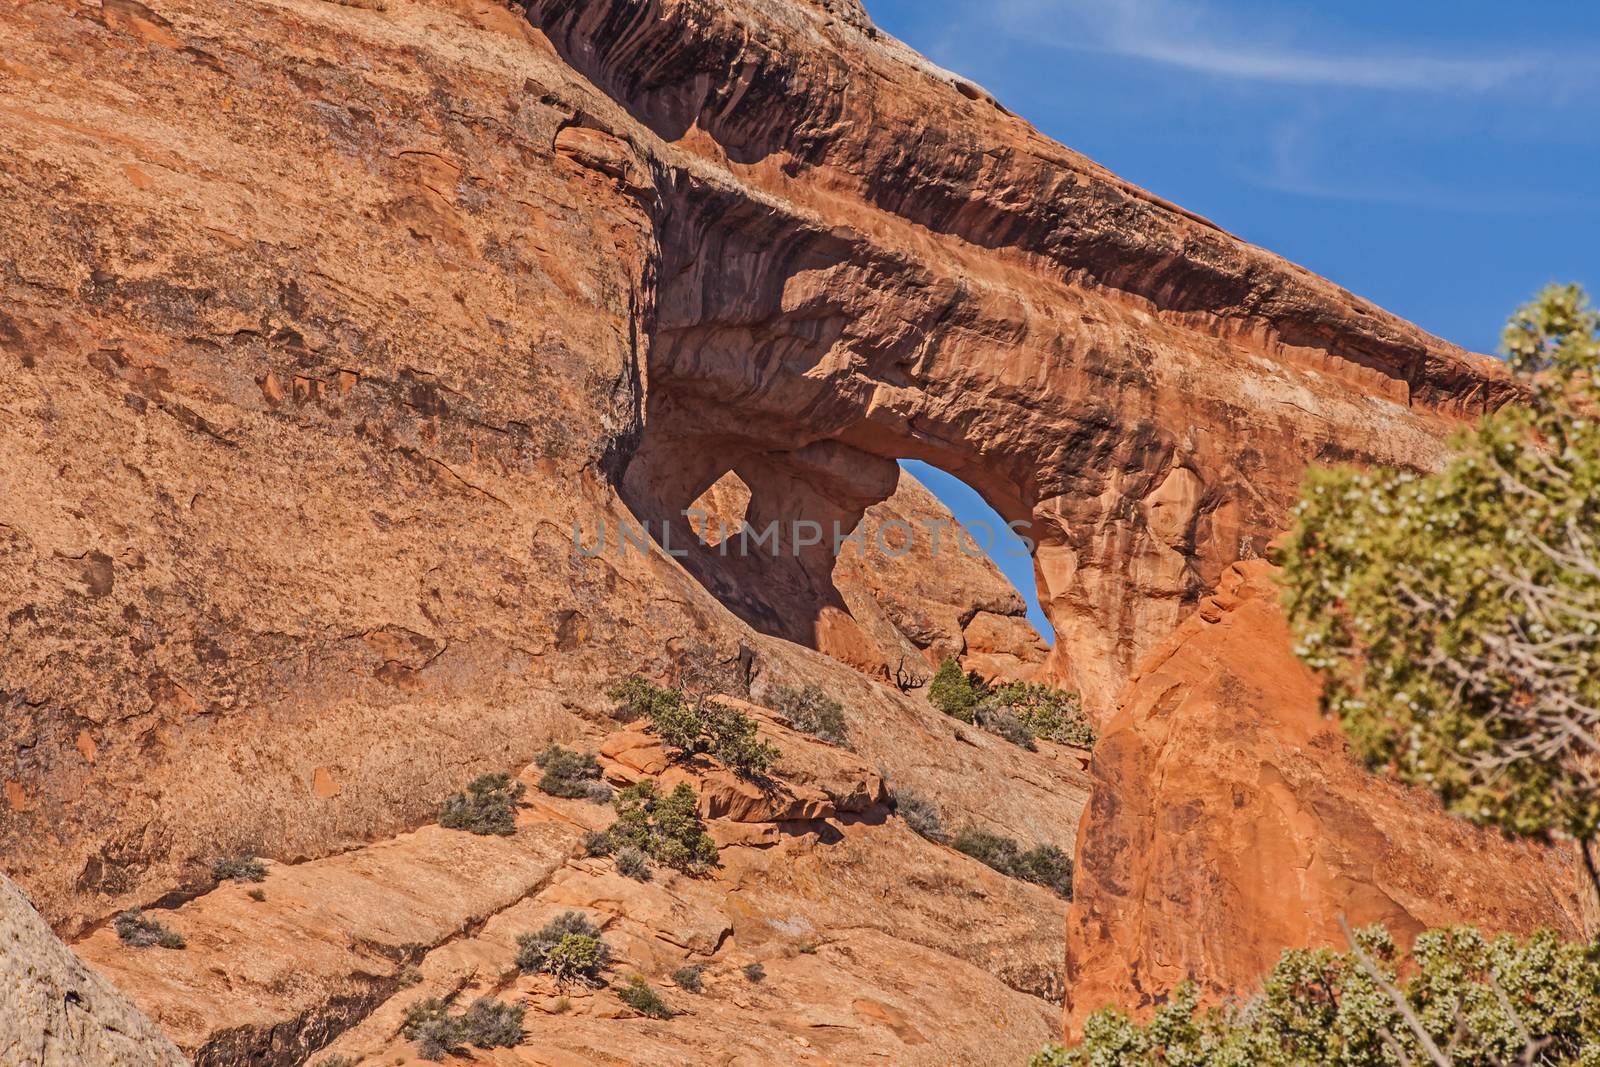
(326,325)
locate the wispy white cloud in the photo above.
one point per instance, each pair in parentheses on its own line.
(1298,161)
(1196,38)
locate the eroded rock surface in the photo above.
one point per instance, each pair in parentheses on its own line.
(324,325)
(56,1012)
(1229,822)
(846,910)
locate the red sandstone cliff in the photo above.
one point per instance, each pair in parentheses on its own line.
(324,323)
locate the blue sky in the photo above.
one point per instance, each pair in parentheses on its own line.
(1440,158)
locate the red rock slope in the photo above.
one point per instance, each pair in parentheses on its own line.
(322,326)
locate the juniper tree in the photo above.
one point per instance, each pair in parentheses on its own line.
(1455,615)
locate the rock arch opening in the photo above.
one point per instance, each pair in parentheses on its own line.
(852,556)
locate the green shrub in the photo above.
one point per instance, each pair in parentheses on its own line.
(955,692)
(569,948)
(812,711)
(1017,711)
(136,928)
(633,863)
(487,1023)
(690,977)
(665,828)
(1044,711)
(731,737)
(597,843)
(1453,614)
(1481,1002)
(640,698)
(489,806)
(754,972)
(638,995)
(1044,864)
(570,774)
(920,815)
(702,727)
(239,869)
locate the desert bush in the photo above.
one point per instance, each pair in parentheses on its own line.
(633,863)
(596,843)
(492,1023)
(920,814)
(690,977)
(489,806)
(1018,711)
(568,773)
(569,948)
(487,1023)
(731,737)
(1476,1002)
(812,711)
(257,895)
(136,928)
(638,995)
(1455,615)
(690,728)
(1043,711)
(239,869)
(665,828)
(956,692)
(754,972)
(999,719)
(1044,864)
(640,698)
(1047,865)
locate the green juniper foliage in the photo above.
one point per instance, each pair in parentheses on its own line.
(665,828)
(640,698)
(1018,711)
(1044,864)
(569,947)
(696,727)
(730,735)
(638,995)
(1483,1004)
(814,712)
(487,1023)
(239,869)
(489,806)
(956,693)
(1053,714)
(1455,616)
(570,774)
(136,928)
